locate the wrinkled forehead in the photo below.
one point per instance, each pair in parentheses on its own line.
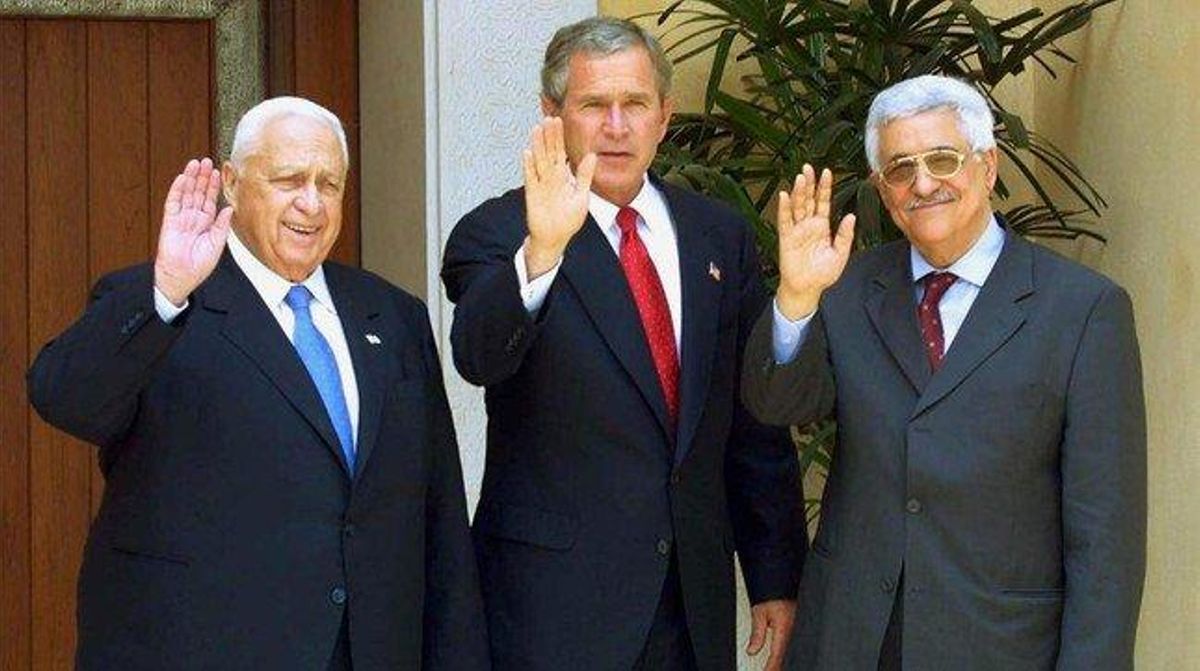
(921,132)
(298,142)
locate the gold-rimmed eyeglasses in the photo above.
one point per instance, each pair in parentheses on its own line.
(937,163)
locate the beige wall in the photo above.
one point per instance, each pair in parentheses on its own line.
(1130,115)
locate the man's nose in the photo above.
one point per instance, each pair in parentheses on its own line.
(614,121)
(925,184)
(308,201)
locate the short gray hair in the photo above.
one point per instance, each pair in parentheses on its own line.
(252,123)
(601,36)
(925,94)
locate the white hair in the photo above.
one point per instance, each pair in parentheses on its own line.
(925,94)
(252,123)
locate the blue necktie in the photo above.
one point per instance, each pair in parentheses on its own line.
(318,358)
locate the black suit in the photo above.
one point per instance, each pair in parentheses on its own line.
(1009,486)
(231,535)
(587,493)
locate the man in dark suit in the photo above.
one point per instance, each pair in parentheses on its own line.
(985,507)
(283,488)
(605,312)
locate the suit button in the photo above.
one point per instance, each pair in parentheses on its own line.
(675,478)
(337,595)
(887,585)
(663,546)
(913,506)
(348,530)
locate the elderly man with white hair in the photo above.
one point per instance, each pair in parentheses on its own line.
(986,503)
(282,483)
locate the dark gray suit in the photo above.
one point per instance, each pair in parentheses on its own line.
(1010,486)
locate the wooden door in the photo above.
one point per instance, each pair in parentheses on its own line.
(96,118)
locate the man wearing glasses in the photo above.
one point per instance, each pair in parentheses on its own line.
(985,507)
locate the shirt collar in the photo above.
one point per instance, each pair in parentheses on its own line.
(649,203)
(975,265)
(271,286)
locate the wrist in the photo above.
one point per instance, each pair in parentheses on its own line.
(540,258)
(796,305)
(174,290)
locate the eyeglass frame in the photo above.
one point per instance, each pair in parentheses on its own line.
(919,160)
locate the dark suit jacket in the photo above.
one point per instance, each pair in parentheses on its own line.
(586,492)
(1010,485)
(231,535)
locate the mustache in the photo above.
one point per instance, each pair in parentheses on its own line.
(936,198)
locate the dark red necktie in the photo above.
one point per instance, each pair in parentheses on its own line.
(651,302)
(930,318)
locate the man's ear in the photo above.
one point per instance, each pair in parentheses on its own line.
(991,161)
(549,107)
(668,109)
(229,179)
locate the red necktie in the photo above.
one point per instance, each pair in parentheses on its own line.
(652,306)
(936,285)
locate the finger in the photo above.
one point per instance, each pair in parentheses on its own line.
(210,194)
(174,196)
(528,170)
(221,225)
(810,185)
(538,146)
(585,172)
(798,198)
(554,141)
(824,194)
(845,236)
(189,184)
(758,634)
(783,214)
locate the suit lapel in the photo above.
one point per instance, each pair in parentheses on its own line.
(701,293)
(359,319)
(892,309)
(251,328)
(595,273)
(993,318)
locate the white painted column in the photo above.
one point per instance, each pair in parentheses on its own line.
(482,65)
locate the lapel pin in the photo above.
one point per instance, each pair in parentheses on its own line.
(714,272)
(373,339)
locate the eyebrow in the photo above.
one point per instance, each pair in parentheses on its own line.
(900,157)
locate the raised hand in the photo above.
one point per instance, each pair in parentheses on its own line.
(811,256)
(556,200)
(193,232)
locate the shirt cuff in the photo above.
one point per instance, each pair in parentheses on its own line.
(533,293)
(167,311)
(787,335)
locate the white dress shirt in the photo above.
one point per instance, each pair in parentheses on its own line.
(273,290)
(972,270)
(655,228)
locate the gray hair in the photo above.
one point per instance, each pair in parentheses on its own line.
(252,123)
(601,36)
(925,94)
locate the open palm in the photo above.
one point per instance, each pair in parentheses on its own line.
(811,256)
(556,200)
(193,232)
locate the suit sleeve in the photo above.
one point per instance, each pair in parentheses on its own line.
(454,626)
(1104,492)
(88,379)
(794,393)
(765,494)
(492,330)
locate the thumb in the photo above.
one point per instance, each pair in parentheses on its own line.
(758,633)
(585,171)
